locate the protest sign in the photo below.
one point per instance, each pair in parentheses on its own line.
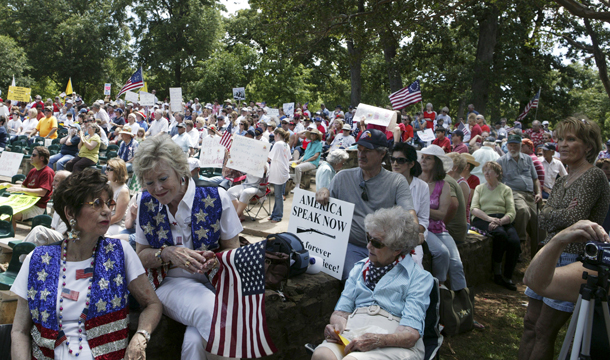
(212,153)
(376,116)
(10,163)
(323,229)
(131,96)
(273,112)
(107,89)
(289,109)
(426,135)
(19,203)
(239,93)
(48,142)
(19,93)
(175,98)
(248,156)
(147,99)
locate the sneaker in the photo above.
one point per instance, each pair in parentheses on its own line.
(498,279)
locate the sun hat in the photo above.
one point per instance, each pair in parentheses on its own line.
(346,127)
(470,159)
(437,151)
(314,131)
(126,130)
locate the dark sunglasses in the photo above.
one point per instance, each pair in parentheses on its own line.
(109,169)
(399,160)
(364,195)
(377,244)
(98,203)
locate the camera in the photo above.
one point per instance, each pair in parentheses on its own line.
(597,253)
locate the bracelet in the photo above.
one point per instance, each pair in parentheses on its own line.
(158,254)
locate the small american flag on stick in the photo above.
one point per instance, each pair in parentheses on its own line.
(226,140)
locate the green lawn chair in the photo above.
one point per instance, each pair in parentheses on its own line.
(18,177)
(8,278)
(44,220)
(6,227)
(53,149)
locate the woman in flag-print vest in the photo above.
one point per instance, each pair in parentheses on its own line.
(179,227)
(73,294)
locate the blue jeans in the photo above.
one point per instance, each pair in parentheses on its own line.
(278,207)
(446,259)
(353,255)
(565,306)
(60,159)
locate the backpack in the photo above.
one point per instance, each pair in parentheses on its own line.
(290,244)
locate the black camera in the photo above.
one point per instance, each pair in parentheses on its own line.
(597,253)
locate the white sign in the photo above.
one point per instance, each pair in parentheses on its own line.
(248,155)
(239,93)
(48,142)
(175,98)
(289,109)
(273,112)
(10,163)
(426,135)
(212,153)
(131,96)
(324,230)
(147,99)
(107,89)
(376,116)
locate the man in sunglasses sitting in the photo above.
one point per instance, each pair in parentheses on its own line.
(369,187)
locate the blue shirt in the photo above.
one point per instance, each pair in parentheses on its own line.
(128,151)
(143,125)
(404,292)
(312,148)
(326,172)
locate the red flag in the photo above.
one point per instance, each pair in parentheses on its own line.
(226,140)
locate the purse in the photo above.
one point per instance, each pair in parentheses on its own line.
(277,268)
(457,311)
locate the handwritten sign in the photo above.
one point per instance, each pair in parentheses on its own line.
(212,153)
(248,155)
(324,230)
(376,116)
(147,99)
(273,112)
(107,89)
(10,163)
(175,98)
(19,93)
(239,93)
(289,109)
(131,96)
(426,135)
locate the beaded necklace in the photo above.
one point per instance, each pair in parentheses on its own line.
(61,299)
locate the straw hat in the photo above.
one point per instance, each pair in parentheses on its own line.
(126,130)
(437,151)
(470,159)
(314,131)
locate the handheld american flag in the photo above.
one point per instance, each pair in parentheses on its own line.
(406,96)
(135,81)
(531,105)
(226,140)
(239,326)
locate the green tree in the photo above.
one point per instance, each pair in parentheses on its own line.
(13,62)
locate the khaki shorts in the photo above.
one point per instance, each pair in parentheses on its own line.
(31,212)
(356,321)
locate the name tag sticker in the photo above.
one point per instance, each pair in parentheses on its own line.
(178,240)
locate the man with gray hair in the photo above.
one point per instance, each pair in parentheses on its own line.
(102,115)
(329,168)
(158,125)
(536,133)
(369,187)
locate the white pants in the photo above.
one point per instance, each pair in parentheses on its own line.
(41,235)
(243,195)
(300,169)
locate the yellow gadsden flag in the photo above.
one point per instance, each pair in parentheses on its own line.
(69,87)
(145,87)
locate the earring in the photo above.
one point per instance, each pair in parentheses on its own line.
(73,233)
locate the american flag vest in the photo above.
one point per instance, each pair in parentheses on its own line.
(106,321)
(205,225)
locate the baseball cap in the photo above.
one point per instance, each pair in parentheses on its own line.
(373,139)
(608,143)
(258,131)
(292,123)
(528,142)
(244,109)
(549,146)
(221,118)
(518,124)
(490,139)
(75,125)
(83,110)
(251,133)
(545,122)
(181,125)
(346,127)
(119,110)
(514,139)
(459,133)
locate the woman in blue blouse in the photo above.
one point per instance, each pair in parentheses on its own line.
(311,158)
(388,290)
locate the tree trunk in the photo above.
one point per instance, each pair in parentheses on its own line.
(389,53)
(600,57)
(178,73)
(355,71)
(488,29)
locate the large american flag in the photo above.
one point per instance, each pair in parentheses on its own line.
(531,105)
(239,327)
(406,96)
(226,140)
(135,81)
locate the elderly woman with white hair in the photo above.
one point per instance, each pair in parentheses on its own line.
(383,305)
(329,168)
(179,225)
(443,119)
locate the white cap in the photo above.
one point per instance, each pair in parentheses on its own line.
(193,164)
(545,122)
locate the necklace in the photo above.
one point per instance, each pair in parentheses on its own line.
(575,174)
(61,299)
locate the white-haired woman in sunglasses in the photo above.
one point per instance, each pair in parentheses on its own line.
(387,290)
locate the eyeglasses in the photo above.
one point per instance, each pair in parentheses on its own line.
(34,155)
(364,195)
(98,203)
(377,244)
(109,169)
(399,160)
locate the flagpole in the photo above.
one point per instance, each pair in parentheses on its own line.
(536,114)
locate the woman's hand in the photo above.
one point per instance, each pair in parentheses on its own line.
(187,259)
(137,348)
(573,204)
(331,333)
(363,343)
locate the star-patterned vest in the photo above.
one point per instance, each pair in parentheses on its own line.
(106,321)
(205,225)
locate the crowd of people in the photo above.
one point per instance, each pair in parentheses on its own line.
(472,177)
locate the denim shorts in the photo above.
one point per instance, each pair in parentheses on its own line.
(565,306)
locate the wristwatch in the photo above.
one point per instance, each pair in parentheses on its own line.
(144,333)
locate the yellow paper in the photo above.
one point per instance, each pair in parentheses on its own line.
(294,165)
(19,203)
(343,339)
(18,93)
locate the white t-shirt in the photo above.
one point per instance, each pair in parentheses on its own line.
(103,115)
(4,111)
(134,128)
(58,224)
(194,135)
(343,141)
(184,141)
(157,126)
(29,124)
(420,193)
(13,126)
(73,309)
(180,225)
(280,162)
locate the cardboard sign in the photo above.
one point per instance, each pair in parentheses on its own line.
(175,98)
(131,96)
(19,93)
(147,99)
(288,109)
(10,163)
(426,135)
(248,155)
(212,153)
(376,116)
(107,89)
(19,203)
(239,93)
(273,112)
(324,230)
